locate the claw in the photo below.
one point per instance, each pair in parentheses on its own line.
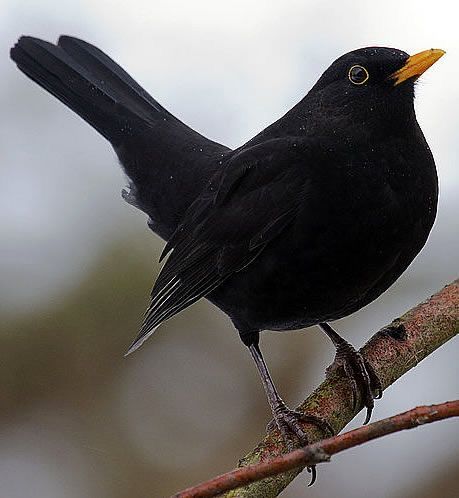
(355,390)
(287,421)
(363,378)
(368,417)
(289,418)
(376,385)
(360,373)
(320,423)
(313,471)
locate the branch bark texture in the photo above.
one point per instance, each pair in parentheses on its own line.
(392,351)
(322,450)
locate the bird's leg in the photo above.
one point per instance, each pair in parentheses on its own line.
(361,374)
(288,421)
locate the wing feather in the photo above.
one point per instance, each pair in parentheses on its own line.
(226,228)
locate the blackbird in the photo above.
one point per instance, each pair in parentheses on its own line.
(307,222)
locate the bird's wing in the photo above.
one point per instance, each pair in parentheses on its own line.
(250,203)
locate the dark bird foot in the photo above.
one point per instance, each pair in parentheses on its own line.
(364,380)
(290,424)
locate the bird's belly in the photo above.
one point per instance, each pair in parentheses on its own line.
(300,281)
(325,286)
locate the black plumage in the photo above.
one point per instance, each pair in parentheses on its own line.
(307,222)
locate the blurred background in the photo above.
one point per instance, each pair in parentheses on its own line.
(77,263)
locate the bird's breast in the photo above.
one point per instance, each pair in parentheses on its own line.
(358,230)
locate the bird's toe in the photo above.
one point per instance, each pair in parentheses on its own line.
(365,383)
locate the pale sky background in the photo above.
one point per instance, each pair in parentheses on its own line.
(228,69)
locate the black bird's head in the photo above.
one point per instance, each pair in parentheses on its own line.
(373,83)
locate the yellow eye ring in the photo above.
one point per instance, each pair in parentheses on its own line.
(358,75)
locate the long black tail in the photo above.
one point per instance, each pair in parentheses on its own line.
(168,163)
(90,83)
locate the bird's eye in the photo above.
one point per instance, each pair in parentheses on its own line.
(358,75)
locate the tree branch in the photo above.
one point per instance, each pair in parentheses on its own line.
(392,352)
(322,451)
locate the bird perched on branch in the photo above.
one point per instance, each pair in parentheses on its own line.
(307,222)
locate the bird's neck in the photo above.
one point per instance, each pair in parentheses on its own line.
(312,118)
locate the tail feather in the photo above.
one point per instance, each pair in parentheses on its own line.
(93,90)
(167,162)
(106,70)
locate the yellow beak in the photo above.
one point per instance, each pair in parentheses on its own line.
(417,64)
